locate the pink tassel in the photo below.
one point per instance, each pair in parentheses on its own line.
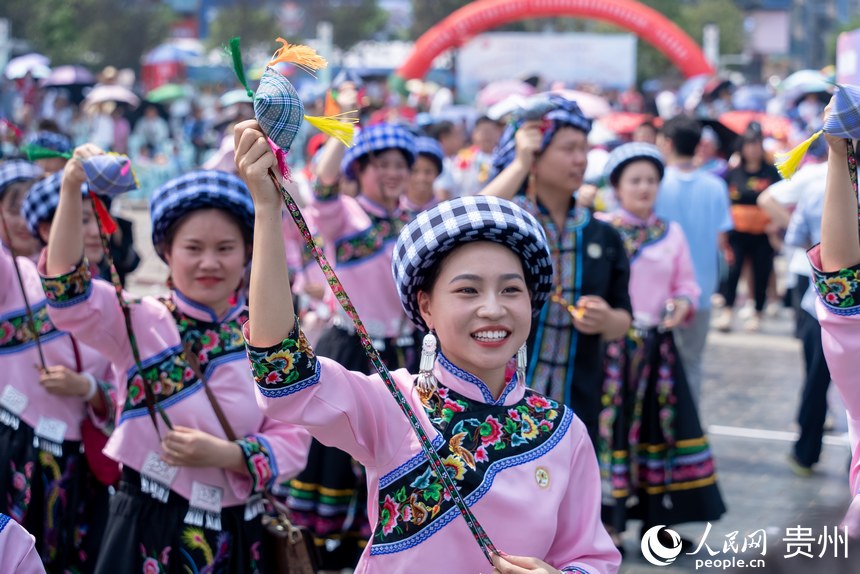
(281,156)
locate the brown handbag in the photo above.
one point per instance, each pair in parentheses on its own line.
(287,548)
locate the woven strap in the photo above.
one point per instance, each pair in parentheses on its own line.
(149,396)
(435,461)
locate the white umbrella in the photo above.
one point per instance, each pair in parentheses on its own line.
(111,93)
(35,64)
(238,96)
(592,105)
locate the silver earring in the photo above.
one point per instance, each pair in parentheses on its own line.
(522,362)
(426,380)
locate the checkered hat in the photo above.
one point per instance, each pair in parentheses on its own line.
(15,170)
(556,111)
(51,140)
(844,118)
(110,174)
(198,190)
(42,201)
(431,149)
(624,155)
(374,139)
(435,232)
(278,108)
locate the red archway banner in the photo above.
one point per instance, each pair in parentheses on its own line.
(474,18)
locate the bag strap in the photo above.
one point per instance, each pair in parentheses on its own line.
(79,364)
(193,362)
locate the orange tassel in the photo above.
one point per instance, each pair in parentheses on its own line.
(304,57)
(108,224)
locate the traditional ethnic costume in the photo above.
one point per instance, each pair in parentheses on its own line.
(655,460)
(328,496)
(18,549)
(589,259)
(46,483)
(523,462)
(167,518)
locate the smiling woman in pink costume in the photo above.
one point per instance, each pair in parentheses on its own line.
(473,271)
(189,498)
(46,483)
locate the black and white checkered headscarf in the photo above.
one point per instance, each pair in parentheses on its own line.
(42,201)
(51,140)
(15,170)
(198,190)
(435,232)
(624,155)
(374,139)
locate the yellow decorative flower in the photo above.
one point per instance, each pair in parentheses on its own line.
(530,428)
(838,285)
(456,464)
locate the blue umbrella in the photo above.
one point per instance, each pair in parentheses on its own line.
(751,98)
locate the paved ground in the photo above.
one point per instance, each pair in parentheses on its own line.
(750,395)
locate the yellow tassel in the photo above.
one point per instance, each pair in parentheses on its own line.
(341,126)
(304,57)
(787,163)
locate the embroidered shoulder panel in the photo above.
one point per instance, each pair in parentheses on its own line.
(287,368)
(370,241)
(478,441)
(169,374)
(69,289)
(635,236)
(840,290)
(16,333)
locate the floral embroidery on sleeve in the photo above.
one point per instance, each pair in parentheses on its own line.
(840,290)
(261,462)
(69,289)
(286,368)
(326,192)
(106,422)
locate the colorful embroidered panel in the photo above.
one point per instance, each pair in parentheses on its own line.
(479,440)
(839,290)
(68,289)
(636,236)
(370,241)
(15,331)
(171,376)
(284,369)
(262,466)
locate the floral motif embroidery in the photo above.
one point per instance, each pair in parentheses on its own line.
(326,192)
(15,330)
(841,289)
(67,289)
(199,551)
(636,236)
(476,437)
(285,368)
(18,499)
(261,463)
(369,241)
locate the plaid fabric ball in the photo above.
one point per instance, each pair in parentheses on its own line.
(198,190)
(110,174)
(562,113)
(51,140)
(374,139)
(42,201)
(625,154)
(278,108)
(15,170)
(844,118)
(431,149)
(435,232)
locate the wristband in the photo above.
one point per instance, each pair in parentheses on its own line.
(94,387)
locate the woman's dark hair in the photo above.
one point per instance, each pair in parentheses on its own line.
(170,234)
(432,274)
(684,132)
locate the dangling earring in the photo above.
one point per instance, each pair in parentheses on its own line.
(522,363)
(426,381)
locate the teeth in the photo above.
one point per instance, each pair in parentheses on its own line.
(490,335)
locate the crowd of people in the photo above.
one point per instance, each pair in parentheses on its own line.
(540,287)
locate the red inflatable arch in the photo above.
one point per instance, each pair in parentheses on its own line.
(474,18)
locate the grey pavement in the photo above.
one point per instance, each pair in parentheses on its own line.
(749,402)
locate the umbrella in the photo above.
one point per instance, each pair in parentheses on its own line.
(111,93)
(35,64)
(799,84)
(238,96)
(753,97)
(168,53)
(624,123)
(690,93)
(168,93)
(495,92)
(726,135)
(778,127)
(592,105)
(66,76)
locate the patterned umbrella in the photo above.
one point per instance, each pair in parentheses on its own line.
(65,76)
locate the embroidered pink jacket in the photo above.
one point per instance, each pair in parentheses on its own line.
(18,549)
(21,395)
(523,463)
(89,309)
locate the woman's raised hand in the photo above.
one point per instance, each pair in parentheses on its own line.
(254,159)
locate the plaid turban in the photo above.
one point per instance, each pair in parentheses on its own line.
(435,232)
(51,140)
(624,155)
(16,170)
(198,190)
(42,201)
(374,139)
(561,113)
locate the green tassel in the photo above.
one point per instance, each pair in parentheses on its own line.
(34,152)
(236,55)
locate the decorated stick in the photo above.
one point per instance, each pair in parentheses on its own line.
(31,318)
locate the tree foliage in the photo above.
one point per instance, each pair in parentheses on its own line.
(90,32)
(251,20)
(352,20)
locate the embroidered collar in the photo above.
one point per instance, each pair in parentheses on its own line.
(637,234)
(375,209)
(476,383)
(201,312)
(630,218)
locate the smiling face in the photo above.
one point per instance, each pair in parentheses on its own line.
(637,188)
(480,308)
(207,258)
(385,177)
(424,173)
(561,166)
(19,237)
